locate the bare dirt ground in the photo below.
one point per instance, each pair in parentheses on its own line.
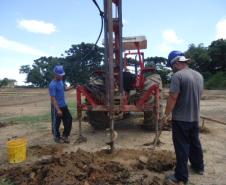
(132,163)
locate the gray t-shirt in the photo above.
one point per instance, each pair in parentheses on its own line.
(189,84)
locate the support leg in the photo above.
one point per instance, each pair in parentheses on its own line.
(80,138)
(79,114)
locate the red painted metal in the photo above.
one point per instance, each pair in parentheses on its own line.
(79,105)
(151,91)
(81,90)
(117,108)
(138,107)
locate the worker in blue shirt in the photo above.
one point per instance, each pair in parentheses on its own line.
(59,109)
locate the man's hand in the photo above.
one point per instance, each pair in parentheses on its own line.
(70,88)
(165,120)
(59,113)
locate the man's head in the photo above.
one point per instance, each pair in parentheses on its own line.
(59,72)
(177,60)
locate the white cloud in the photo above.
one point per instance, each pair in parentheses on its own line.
(36,26)
(170,39)
(164,47)
(19,47)
(13,74)
(221,29)
(170,36)
(124,22)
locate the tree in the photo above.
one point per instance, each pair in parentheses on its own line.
(25,69)
(200,59)
(154,61)
(6,82)
(217,53)
(41,72)
(81,61)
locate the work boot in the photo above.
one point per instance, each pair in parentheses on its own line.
(65,139)
(172,180)
(58,140)
(196,171)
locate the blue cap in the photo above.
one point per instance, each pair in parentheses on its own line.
(176,56)
(59,70)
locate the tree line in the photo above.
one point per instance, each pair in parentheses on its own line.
(81,60)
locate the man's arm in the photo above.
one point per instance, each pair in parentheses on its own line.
(171,102)
(55,104)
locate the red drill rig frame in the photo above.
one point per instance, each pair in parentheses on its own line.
(114,66)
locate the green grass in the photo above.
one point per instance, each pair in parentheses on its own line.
(43,117)
(73,108)
(31,119)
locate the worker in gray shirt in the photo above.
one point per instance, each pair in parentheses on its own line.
(184,103)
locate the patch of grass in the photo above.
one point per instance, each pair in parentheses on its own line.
(73,109)
(31,119)
(43,117)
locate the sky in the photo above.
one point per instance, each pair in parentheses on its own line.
(30,29)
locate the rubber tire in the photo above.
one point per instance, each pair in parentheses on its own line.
(150,119)
(99,120)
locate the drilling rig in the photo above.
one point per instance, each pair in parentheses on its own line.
(115,91)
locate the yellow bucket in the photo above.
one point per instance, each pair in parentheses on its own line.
(17,150)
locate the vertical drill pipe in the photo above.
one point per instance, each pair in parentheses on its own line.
(106,54)
(79,109)
(157,106)
(120,48)
(109,60)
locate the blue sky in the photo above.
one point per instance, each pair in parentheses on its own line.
(33,28)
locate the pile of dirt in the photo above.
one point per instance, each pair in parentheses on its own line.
(153,160)
(38,150)
(84,168)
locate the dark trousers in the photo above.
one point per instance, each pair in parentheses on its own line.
(187,146)
(56,120)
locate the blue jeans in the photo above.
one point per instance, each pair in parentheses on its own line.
(187,146)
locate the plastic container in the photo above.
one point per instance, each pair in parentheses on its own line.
(17,150)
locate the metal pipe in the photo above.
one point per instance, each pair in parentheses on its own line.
(106,54)
(157,95)
(120,49)
(211,119)
(109,61)
(80,138)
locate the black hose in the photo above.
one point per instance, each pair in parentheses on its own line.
(101,29)
(102,20)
